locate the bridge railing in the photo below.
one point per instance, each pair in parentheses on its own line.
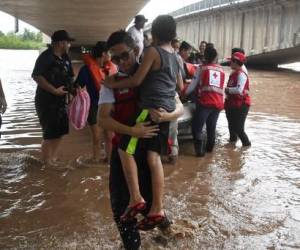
(204,5)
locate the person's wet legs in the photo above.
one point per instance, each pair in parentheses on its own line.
(230,118)
(173,156)
(237,118)
(49,149)
(119,196)
(108,135)
(200,117)
(96,138)
(157,176)
(211,124)
(240,125)
(131,175)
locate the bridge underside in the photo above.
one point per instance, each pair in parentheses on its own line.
(88,21)
(274,58)
(268,30)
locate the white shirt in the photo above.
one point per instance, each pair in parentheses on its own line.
(244,69)
(106,96)
(138,37)
(241,82)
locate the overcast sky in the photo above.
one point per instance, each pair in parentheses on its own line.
(151,10)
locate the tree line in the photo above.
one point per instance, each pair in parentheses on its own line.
(27,40)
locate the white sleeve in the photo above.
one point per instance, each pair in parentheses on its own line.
(133,33)
(244,69)
(106,95)
(241,82)
(195,81)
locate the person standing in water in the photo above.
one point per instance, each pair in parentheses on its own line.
(238,101)
(209,86)
(116,107)
(157,77)
(53,74)
(91,75)
(3,104)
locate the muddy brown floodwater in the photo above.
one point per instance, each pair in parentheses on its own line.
(231,199)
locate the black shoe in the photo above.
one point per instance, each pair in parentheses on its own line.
(247,144)
(233,138)
(199,148)
(172,159)
(166,223)
(209,149)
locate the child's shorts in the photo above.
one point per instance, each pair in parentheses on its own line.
(158,143)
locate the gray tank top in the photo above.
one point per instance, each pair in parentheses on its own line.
(158,88)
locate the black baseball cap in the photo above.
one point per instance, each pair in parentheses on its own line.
(61,35)
(140,18)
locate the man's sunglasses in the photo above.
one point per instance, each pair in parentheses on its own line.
(124,56)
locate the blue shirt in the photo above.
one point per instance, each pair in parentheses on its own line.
(84,78)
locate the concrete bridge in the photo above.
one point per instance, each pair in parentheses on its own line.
(88,21)
(268,30)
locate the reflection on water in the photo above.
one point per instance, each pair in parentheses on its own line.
(20,125)
(232,199)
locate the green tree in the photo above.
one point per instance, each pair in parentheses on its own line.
(28,35)
(27,40)
(39,37)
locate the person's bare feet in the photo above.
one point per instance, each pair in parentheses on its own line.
(56,165)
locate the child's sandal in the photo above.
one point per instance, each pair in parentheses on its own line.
(132,211)
(151,221)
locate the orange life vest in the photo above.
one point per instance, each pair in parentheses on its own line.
(190,70)
(98,74)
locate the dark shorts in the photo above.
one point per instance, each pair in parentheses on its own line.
(53,119)
(158,143)
(93,113)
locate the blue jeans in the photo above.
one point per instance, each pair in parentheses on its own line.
(209,116)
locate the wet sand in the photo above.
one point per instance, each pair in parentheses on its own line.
(231,199)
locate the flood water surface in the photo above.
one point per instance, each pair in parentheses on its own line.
(232,199)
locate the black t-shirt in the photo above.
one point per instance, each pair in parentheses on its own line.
(57,71)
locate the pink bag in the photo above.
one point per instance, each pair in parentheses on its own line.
(79,109)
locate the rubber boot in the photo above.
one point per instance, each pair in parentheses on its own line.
(199,148)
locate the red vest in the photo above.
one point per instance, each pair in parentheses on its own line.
(98,74)
(237,100)
(211,87)
(125,107)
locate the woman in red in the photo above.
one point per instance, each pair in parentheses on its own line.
(237,101)
(209,86)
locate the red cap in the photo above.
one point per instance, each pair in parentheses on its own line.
(238,56)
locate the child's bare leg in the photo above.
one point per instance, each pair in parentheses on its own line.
(108,135)
(96,138)
(157,176)
(131,175)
